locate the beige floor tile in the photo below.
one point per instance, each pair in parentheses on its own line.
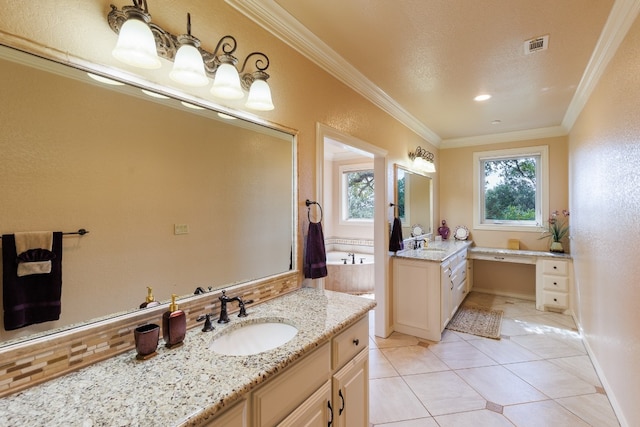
(391,399)
(379,366)
(546,413)
(580,366)
(445,393)
(504,351)
(460,354)
(595,409)
(546,346)
(483,418)
(550,379)
(511,327)
(396,339)
(497,384)
(413,360)
(420,422)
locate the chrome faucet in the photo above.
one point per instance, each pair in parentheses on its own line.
(224,299)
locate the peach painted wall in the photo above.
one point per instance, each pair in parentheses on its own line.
(604,153)
(77,31)
(456,189)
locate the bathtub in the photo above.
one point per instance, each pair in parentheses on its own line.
(351,278)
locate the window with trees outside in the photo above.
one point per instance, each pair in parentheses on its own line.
(357,194)
(511,188)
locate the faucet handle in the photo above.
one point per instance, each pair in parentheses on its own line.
(243,310)
(207,322)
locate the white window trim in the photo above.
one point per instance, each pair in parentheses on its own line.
(543,185)
(343,194)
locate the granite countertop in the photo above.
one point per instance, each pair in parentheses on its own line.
(517,252)
(435,251)
(185,385)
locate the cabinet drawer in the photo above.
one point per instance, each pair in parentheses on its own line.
(350,342)
(560,268)
(555,300)
(281,395)
(555,283)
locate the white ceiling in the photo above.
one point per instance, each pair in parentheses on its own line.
(424,61)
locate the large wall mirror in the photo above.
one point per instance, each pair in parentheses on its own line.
(173,198)
(413,200)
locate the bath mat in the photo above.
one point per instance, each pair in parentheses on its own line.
(478,321)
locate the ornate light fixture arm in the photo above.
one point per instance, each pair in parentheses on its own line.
(261,64)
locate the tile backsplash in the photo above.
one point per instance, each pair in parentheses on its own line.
(32,362)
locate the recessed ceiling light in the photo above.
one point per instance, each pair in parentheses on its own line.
(482,97)
(105,80)
(154,94)
(193,106)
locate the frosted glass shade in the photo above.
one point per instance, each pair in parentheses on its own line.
(136,45)
(188,67)
(226,83)
(259,96)
(424,165)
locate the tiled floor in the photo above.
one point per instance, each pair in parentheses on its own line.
(538,374)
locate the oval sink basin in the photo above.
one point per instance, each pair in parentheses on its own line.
(253,338)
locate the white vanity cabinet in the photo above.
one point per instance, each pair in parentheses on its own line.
(426,294)
(330,385)
(553,283)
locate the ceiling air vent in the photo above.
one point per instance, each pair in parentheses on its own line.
(537,44)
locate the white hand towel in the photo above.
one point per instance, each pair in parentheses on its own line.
(33,240)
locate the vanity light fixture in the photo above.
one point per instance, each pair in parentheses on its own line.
(190,58)
(188,66)
(423,159)
(136,44)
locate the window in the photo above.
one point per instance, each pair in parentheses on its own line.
(357,193)
(511,189)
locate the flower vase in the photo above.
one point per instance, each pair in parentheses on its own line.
(556,247)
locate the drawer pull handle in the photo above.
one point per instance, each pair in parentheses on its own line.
(555,283)
(555,268)
(498,257)
(341,398)
(555,300)
(356,341)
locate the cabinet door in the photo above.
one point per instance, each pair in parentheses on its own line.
(314,412)
(351,393)
(234,417)
(446,293)
(416,298)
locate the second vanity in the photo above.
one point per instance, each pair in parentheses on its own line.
(320,374)
(429,284)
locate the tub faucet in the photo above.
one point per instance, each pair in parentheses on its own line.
(353,257)
(224,299)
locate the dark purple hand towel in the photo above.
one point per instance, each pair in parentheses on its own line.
(395,241)
(315,261)
(34,298)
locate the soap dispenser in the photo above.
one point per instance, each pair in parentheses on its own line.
(150,301)
(174,325)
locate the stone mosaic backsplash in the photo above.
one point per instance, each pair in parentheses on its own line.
(35,361)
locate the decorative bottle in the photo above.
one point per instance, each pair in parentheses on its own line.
(174,325)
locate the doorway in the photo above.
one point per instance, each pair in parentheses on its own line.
(337,155)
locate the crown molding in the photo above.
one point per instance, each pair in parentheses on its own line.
(622,16)
(270,16)
(497,138)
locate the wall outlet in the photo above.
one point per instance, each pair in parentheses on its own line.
(180,229)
